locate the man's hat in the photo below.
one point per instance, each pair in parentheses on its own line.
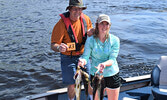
(76,3)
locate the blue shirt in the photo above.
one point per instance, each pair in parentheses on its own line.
(101,52)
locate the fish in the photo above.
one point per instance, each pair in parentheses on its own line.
(85,80)
(98,86)
(81,77)
(78,80)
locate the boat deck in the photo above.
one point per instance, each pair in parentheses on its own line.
(135,88)
(135,94)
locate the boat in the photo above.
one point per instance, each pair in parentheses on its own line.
(133,88)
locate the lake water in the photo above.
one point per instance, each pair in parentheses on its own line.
(28,65)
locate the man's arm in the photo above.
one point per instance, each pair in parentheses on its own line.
(55,47)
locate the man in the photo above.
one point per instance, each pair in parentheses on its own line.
(68,38)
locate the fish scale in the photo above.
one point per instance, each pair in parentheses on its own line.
(98,86)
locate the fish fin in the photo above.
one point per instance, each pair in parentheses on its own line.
(85,79)
(102,88)
(75,76)
(95,82)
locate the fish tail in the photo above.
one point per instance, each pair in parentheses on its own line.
(78,92)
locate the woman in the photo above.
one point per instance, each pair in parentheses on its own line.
(103,48)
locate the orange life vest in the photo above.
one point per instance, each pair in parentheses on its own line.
(71,32)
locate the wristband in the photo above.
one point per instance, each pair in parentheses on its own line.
(58,48)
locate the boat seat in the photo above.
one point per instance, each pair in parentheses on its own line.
(159,79)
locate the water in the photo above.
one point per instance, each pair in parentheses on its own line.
(28,65)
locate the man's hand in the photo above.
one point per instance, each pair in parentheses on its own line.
(63,47)
(90,32)
(59,48)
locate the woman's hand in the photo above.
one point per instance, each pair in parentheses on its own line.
(82,63)
(100,68)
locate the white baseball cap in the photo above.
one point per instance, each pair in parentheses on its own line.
(103,17)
